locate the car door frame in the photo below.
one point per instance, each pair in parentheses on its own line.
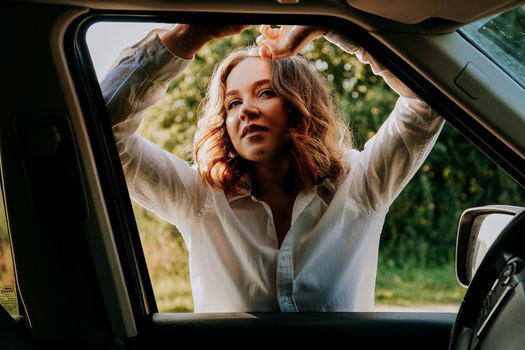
(165,329)
(126,301)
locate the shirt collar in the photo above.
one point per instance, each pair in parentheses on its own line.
(325,190)
(237,196)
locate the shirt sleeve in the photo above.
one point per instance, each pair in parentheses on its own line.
(392,156)
(339,39)
(156,179)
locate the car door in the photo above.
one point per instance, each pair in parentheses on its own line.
(80,267)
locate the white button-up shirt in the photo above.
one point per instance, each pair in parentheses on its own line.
(328,259)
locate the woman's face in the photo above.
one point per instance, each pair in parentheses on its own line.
(256,118)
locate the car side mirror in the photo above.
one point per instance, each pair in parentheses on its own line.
(478,229)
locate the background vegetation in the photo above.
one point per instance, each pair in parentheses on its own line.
(418,240)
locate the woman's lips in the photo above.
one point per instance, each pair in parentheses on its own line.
(249,129)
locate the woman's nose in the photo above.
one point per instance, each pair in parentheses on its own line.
(248,110)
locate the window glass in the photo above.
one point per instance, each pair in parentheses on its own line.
(8,291)
(416,260)
(502,38)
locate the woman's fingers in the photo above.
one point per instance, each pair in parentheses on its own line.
(287,40)
(260,39)
(269,32)
(265,53)
(274,42)
(267,47)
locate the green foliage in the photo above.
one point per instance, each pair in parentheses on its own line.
(420,229)
(422,223)
(167,260)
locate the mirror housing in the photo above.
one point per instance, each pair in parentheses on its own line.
(478,229)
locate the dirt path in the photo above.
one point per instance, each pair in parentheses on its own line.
(418,308)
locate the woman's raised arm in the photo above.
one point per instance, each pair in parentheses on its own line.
(158,180)
(395,153)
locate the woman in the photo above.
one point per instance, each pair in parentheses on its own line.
(281,213)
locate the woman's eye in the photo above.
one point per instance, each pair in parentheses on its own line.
(267,92)
(232,104)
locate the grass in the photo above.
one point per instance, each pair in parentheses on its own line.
(409,286)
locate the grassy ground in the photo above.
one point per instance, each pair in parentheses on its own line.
(397,286)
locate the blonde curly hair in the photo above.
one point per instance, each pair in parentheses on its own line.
(319,137)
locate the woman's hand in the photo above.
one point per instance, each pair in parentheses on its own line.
(286,41)
(184,40)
